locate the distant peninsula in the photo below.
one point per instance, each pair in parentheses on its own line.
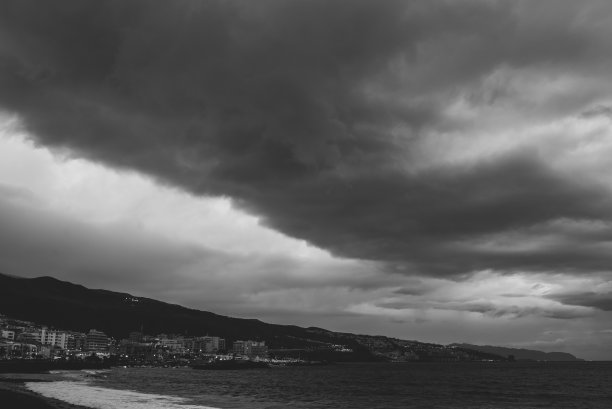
(520,354)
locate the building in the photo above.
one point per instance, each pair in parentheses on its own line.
(208,344)
(259,349)
(175,345)
(136,336)
(29,337)
(54,338)
(137,351)
(239,347)
(250,348)
(49,351)
(77,341)
(6,334)
(97,341)
(13,350)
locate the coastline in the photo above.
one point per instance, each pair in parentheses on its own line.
(14,394)
(71,390)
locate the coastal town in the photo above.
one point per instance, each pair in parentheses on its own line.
(25,340)
(28,340)
(48,319)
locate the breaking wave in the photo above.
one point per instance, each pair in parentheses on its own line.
(77,390)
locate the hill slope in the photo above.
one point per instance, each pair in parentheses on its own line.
(521,354)
(64,305)
(69,306)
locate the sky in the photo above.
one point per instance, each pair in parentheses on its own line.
(430,170)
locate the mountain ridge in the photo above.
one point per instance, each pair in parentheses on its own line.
(520,353)
(66,305)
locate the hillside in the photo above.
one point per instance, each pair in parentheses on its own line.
(64,305)
(69,306)
(521,354)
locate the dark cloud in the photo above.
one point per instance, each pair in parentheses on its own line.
(599,110)
(513,295)
(412,291)
(601,301)
(293,110)
(490,309)
(555,313)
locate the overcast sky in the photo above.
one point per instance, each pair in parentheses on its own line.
(430,170)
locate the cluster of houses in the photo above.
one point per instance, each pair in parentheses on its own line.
(27,340)
(145,349)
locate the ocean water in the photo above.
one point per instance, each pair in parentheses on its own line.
(354,386)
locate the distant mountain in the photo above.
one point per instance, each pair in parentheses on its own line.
(520,354)
(63,305)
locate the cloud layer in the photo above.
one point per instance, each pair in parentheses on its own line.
(437,141)
(394,131)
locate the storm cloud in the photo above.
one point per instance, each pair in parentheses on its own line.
(602,301)
(439,138)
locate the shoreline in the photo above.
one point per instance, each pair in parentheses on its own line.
(14,394)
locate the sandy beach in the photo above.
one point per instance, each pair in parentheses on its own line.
(14,394)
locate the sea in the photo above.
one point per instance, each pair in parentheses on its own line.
(341,386)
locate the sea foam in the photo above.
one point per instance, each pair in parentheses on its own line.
(81,393)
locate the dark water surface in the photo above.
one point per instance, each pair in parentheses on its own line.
(405,385)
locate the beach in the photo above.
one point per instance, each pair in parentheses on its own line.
(14,394)
(78,390)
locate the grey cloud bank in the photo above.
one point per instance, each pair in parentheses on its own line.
(429,138)
(292,109)
(309,113)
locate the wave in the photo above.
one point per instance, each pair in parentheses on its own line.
(79,374)
(83,394)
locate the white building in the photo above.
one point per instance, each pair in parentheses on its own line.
(6,334)
(56,338)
